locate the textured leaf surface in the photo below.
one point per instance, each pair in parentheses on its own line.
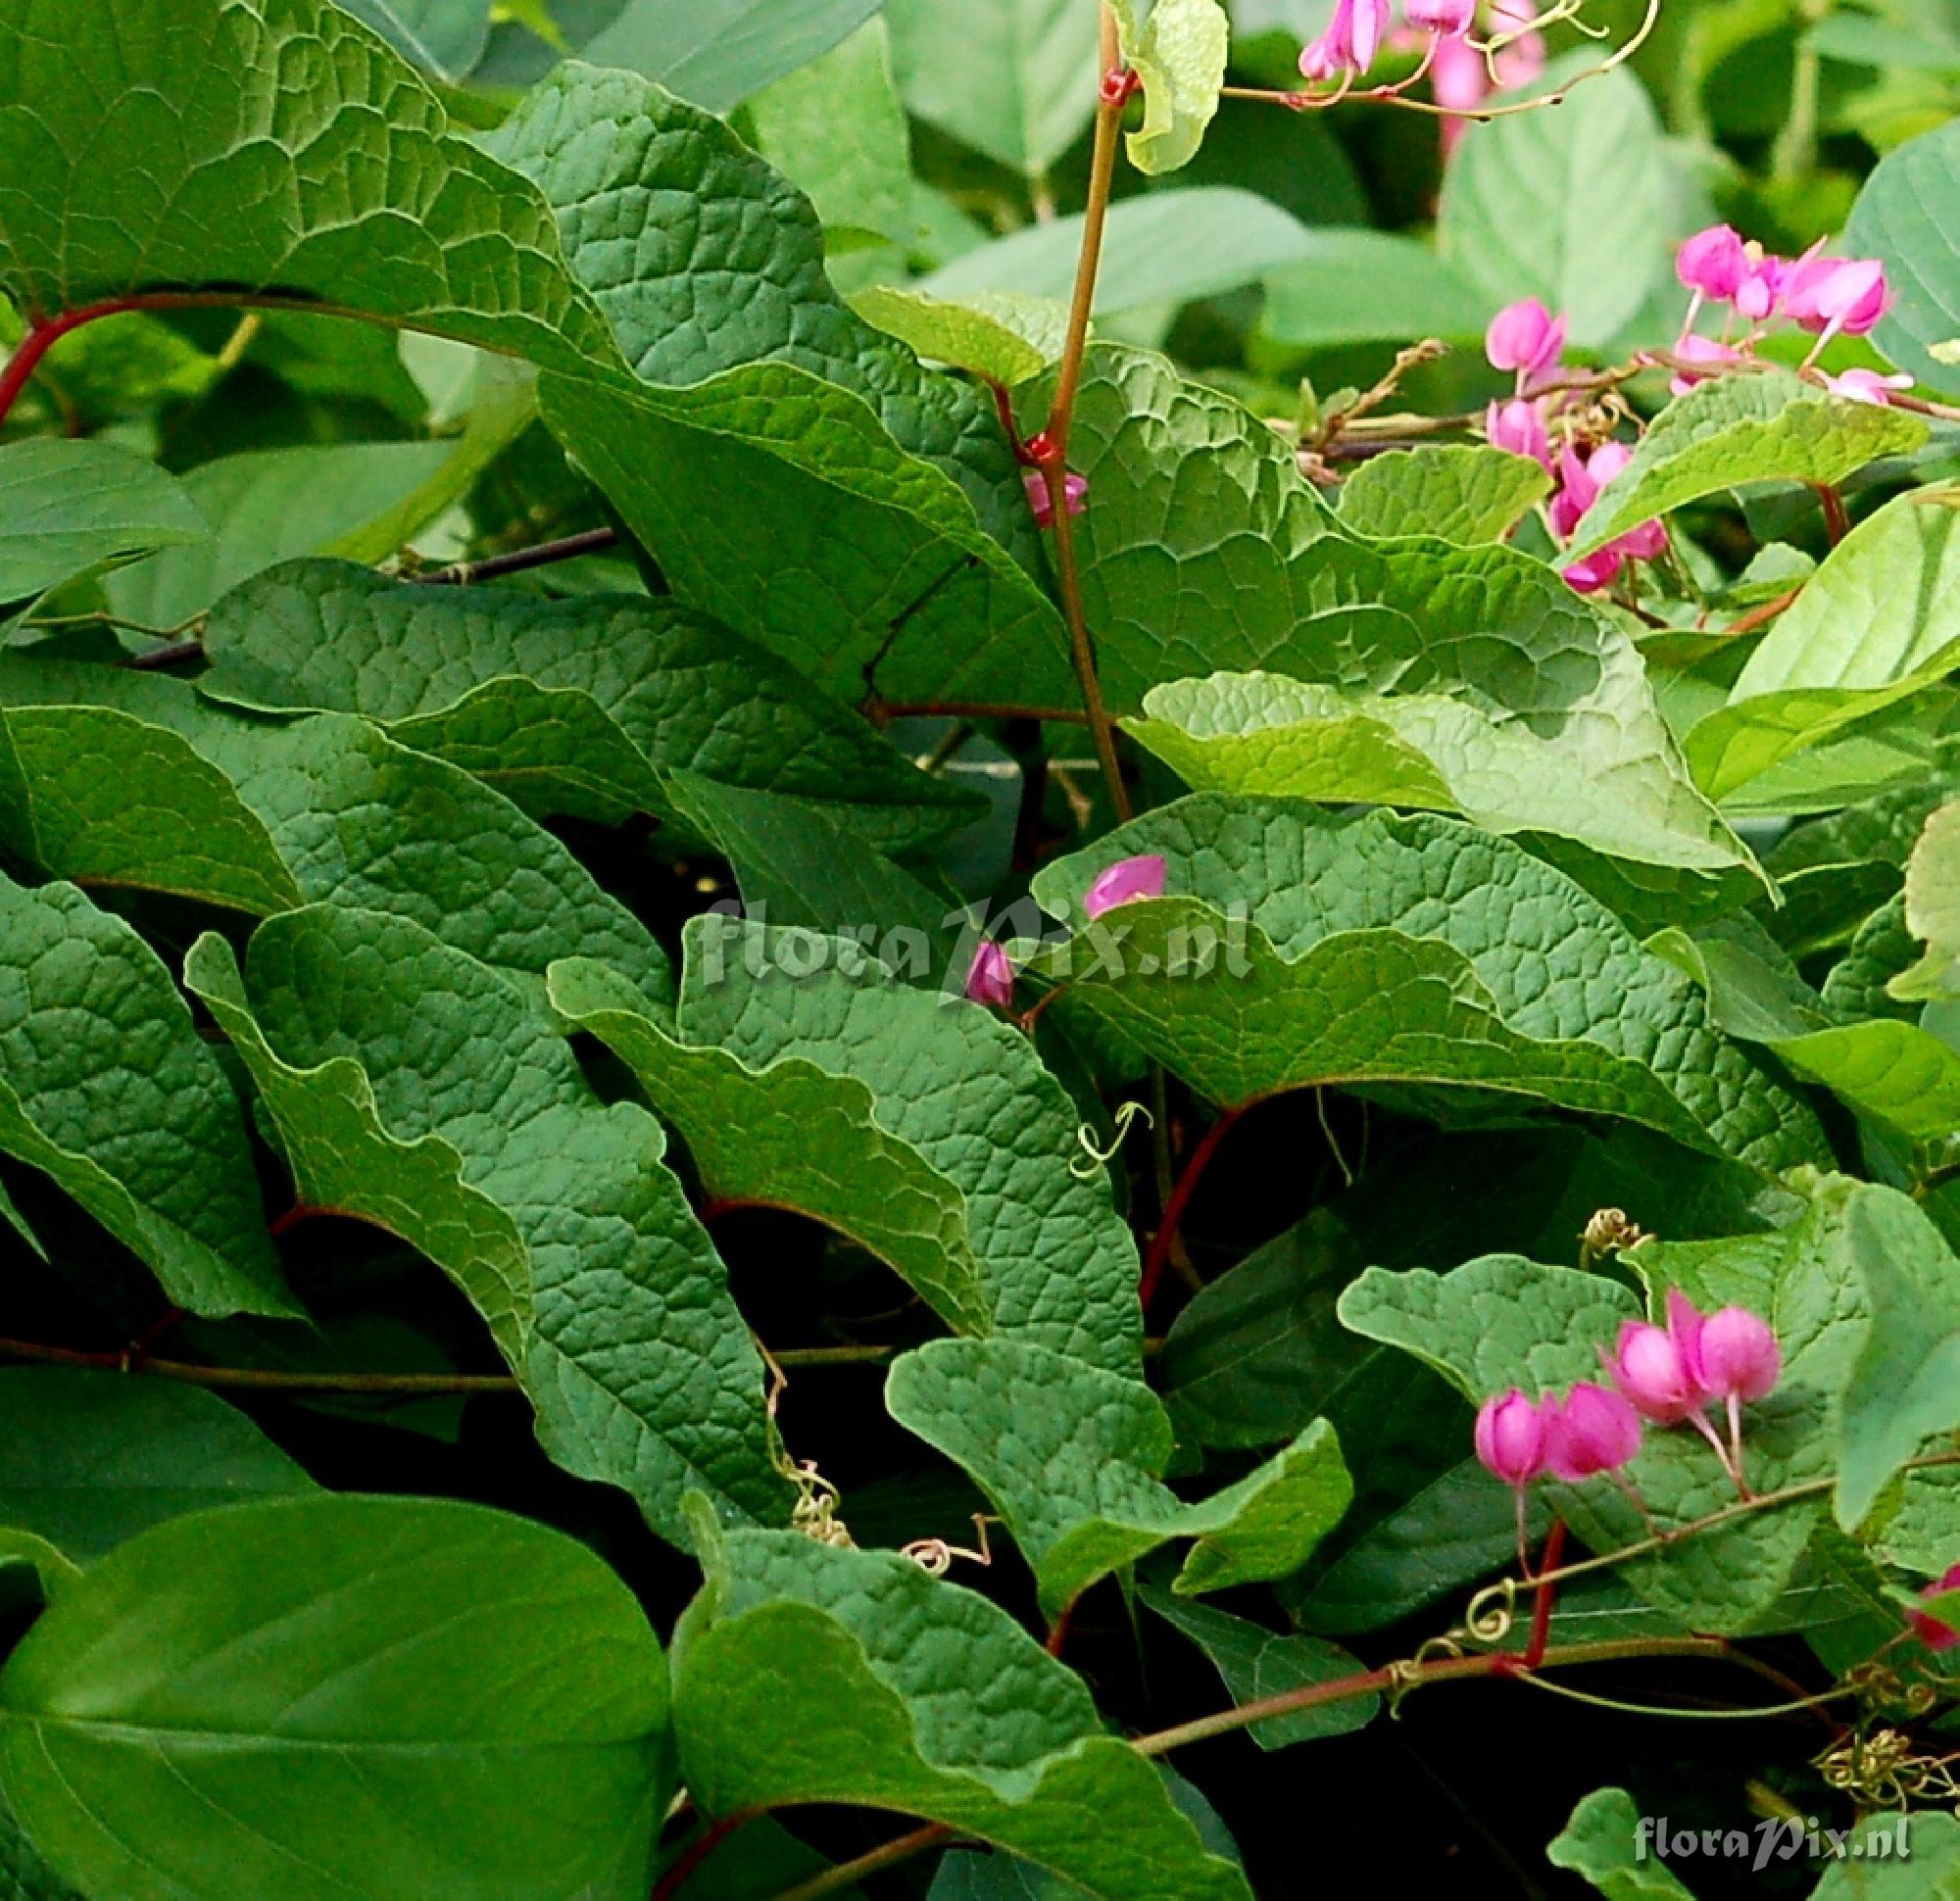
(960,1090)
(1372,948)
(106,1086)
(915,1694)
(1264,734)
(263,817)
(1933,909)
(67,507)
(718,52)
(334,1695)
(89,1459)
(416,1089)
(1459,494)
(1905,216)
(580,706)
(1073,1458)
(1006,77)
(1735,429)
(1257,1663)
(146,142)
(1879,620)
(1177,48)
(1599,1843)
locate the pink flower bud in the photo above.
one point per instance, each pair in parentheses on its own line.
(1352,38)
(1647,1367)
(1866,386)
(1524,337)
(1713,264)
(1519,428)
(1596,574)
(1827,295)
(1760,292)
(1735,1355)
(1698,350)
(1510,1436)
(1450,18)
(1074,488)
(1929,1631)
(990,978)
(1646,543)
(1593,1431)
(1125,880)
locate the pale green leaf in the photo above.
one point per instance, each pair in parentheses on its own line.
(915,1694)
(106,1086)
(1878,622)
(1601,1842)
(337,1695)
(1360,286)
(718,52)
(1731,430)
(1457,493)
(1073,1456)
(414,1088)
(1000,334)
(68,506)
(1933,909)
(1177,48)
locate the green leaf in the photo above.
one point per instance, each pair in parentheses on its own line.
(912,1693)
(1878,622)
(1897,1073)
(1457,493)
(1073,1456)
(331,1695)
(583,706)
(1264,734)
(123,167)
(1013,78)
(1297,948)
(1904,217)
(799,1068)
(1601,1843)
(416,1089)
(837,129)
(998,334)
(68,506)
(1166,247)
(106,1086)
(886,578)
(1177,48)
(1360,286)
(90,1460)
(273,504)
(1257,1663)
(746,287)
(718,52)
(1902,1388)
(322,810)
(1932,1868)
(1731,430)
(1520,213)
(1933,909)
(443,37)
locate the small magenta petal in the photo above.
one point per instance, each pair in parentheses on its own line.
(1511,1438)
(1125,881)
(1929,1631)
(1713,263)
(1593,1430)
(990,978)
(1738,1356)
(1450,18)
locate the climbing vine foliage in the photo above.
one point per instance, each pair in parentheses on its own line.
(869,940)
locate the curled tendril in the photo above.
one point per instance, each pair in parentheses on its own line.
(1609,1232)
(1084,1166)
(935,1555)
(1493,1612)
(1887,1769)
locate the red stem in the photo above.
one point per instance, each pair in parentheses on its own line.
(697,1851)
(41,337)
(1548,1562)
(1161,1242)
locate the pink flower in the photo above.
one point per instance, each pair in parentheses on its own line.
(1519,428)
(1735,1355)
(1593,1431)
(1511,1438)
(1760,292)
(1866,386)
(1124,881)
(1830,295)
(1075,488)
(1712,263)
(1929,1631)
(1648,1368)
(1350,42)
(1580,484)
(1449,18)
(1698,350)
(990,978)
(1523,60)
(1524,337)
(1596,574)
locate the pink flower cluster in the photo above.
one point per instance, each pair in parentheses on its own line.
(990,978)
(1528,339)
(1827,296)
(1661,1375)
(1360,27)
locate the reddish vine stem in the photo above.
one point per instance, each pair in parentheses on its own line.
(1837,523)
(1161,1242)
(1761,617)
(41,337)
(846,1874)
(590,541)
(697,1851)
(888,710)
